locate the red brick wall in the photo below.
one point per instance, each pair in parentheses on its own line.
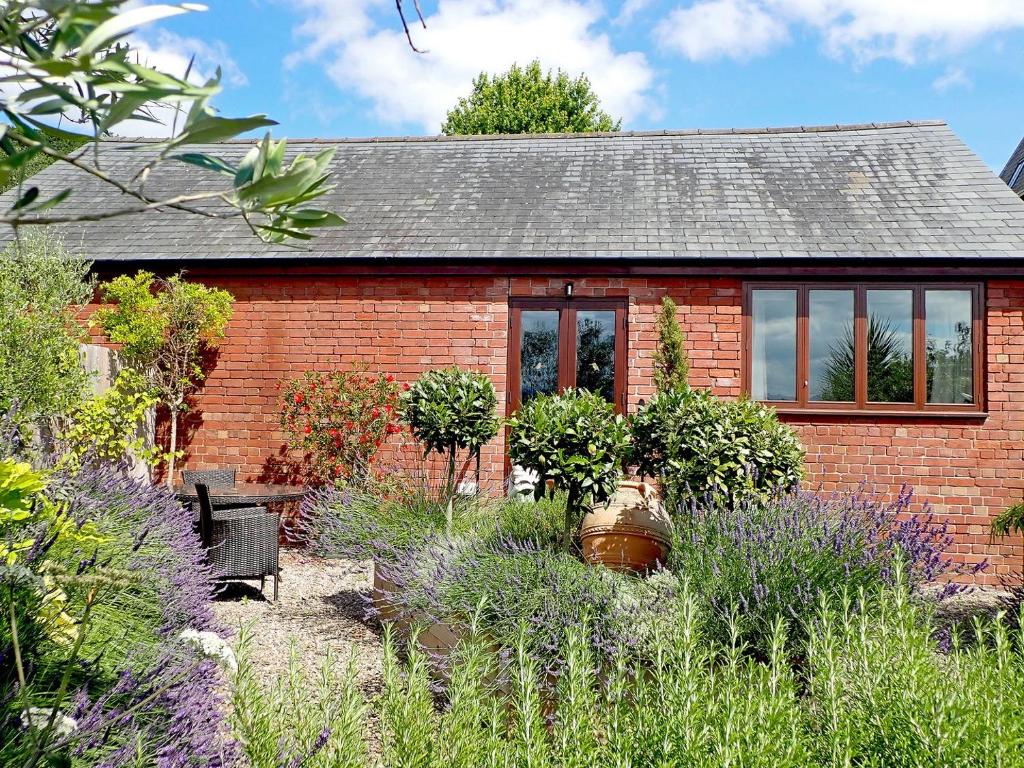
(969,470)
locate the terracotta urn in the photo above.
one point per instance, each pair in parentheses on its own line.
(632,532)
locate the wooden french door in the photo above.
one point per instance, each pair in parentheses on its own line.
(559,343)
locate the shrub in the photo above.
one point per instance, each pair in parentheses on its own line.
(42,288)
(508,585)
(340,420)
(885,694)
(761,562)
(105,428)
(108,576)
(291,720)
(576,440)
(671,366)
(878,692)
(1009,521)
(164,327)
(702,447)
(450,410)
(356,522)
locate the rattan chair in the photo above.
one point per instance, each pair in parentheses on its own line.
(241,543)
(217,478)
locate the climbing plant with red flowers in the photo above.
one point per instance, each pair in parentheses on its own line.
(340,419)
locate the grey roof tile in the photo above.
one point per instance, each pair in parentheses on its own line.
(906,190)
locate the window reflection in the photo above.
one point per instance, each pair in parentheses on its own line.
(949,345)
(890,346)
(595,352)
(832,345)
(539,353)
(773,359)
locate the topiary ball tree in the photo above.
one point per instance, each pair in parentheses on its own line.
(577,441)
(702,447)
(450,410)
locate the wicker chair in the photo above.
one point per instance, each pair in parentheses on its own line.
(218,478)
(241,543)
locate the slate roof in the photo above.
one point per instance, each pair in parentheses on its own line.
(1016,159)
(905,190)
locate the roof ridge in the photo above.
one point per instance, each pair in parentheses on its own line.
(833,128)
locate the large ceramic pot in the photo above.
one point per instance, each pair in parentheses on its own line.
(632,532)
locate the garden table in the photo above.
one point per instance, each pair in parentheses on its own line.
(242,494)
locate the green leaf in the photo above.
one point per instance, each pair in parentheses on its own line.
(210,129)
(124,22)
(209,162)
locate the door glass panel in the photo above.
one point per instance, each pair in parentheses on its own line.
(890,346)
(539,353)
(949,346)
(595,352)
(830,318)
(773,369)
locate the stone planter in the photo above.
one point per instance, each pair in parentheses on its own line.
(383,594)
(632,533)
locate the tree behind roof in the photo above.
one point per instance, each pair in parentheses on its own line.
(526,100)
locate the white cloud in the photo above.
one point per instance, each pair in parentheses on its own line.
(951,79)
(629,10)
(712,29)
(171,53)
(905,30)
(463,38)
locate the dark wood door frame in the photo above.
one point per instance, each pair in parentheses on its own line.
(567,308)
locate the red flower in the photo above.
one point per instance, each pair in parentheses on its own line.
(375,413)
(405,387)
(308,429)
(349,425)
(334,432)
(389,378)
(298,398)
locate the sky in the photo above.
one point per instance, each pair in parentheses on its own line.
(332,68)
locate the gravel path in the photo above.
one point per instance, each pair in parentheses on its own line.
(321,606)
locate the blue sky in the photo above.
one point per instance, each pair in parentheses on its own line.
(342,67)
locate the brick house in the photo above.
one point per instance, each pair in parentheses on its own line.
(867,280)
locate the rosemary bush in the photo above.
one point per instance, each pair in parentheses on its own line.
(879,692)
(293,720)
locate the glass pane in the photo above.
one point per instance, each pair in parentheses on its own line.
(595,352)
(891,346)
(950,346)
(539,352)
(830,318)
(773,364)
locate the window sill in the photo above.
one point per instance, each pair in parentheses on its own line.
(888,414)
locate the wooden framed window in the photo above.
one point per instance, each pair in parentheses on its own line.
(559,343)
(871,347)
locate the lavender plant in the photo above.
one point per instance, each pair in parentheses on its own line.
(776,559)
(95,632)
